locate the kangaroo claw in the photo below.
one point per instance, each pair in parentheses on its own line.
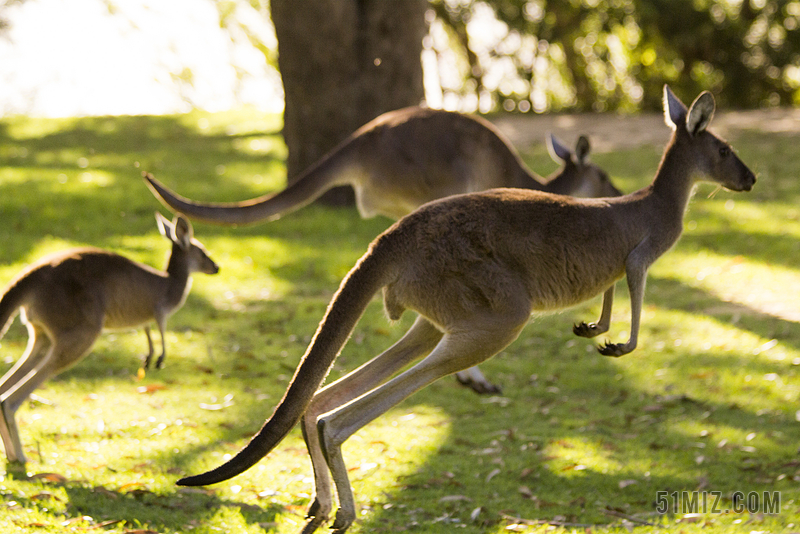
(586,329)
(614,350)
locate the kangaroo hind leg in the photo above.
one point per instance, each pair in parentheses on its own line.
(420,339)
(458,349)
(41,363)
(37,350)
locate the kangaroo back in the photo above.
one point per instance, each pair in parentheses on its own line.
(348,304)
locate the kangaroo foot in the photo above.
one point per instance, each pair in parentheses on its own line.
(343,521)
(481,387)
(614,349)
(314,517)
(312,525)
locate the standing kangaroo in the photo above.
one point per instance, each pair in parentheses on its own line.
(68,298)
(474,267)
(403,159)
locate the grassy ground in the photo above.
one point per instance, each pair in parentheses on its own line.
(707,407)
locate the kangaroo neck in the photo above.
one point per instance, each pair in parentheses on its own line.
(177,275)
(675,179)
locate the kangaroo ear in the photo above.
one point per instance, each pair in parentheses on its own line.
(559,152)
(183,231)
(582,149)
(164,226)
(701,113)
(674,110)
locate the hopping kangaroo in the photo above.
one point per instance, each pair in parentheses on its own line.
(66,300)
(408,157)
(474,267)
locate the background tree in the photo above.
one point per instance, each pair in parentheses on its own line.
(603,55)
(343,63)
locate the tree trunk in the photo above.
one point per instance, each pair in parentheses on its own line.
(343,63)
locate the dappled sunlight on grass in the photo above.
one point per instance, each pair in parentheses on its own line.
(707,401)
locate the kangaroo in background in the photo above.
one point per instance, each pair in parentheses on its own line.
(403,159)
(67,298)
(474,267)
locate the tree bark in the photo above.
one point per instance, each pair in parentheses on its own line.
(343,63)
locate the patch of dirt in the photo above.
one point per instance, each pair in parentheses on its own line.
(608,132)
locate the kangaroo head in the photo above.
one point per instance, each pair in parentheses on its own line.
(710,156)
(578,176)
(180,232)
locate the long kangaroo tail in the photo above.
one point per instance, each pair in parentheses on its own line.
(332,170)
(370,274)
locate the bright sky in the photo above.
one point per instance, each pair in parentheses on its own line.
(74,57)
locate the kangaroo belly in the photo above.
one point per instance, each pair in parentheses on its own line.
(128,307)
(116,318)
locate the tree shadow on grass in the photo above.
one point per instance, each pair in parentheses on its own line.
(77,178)
(520,455)
(95,506)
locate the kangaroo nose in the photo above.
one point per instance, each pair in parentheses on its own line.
(751,180)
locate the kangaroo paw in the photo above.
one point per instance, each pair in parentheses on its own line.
(315,517)
(613,349)
(587,329)
(342,522)
(313,510)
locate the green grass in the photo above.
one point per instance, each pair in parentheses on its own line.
(708,402)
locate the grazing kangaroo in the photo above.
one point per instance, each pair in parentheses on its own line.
(67,298)
(403,159)
(474,267)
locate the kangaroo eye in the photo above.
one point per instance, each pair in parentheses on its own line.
(724,151)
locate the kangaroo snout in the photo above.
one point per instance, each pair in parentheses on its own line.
(749,182)
(213,268)
(745,183)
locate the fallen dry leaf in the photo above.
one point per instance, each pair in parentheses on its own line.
(50,477)
(455,498)
(475,513)
(226,402)
(150,388)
